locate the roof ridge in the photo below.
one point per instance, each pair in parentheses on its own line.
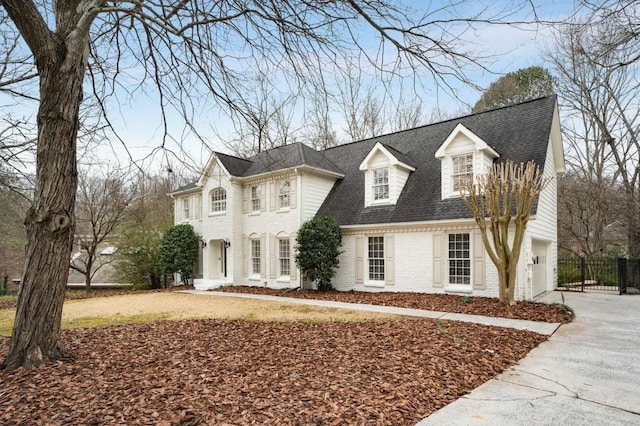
(217,153)
(446,121)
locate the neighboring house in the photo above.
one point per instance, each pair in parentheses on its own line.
(396,197)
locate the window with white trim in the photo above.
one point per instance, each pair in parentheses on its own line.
(459,254)
(376,258)
(255,198)
(284,257)
(186,204)
(461,171)
(255,257)
(284,194)
(218,200)
(380,185)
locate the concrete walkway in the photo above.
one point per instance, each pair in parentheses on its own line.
(587,373)
(536,326)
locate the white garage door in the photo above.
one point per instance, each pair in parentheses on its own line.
(539,249)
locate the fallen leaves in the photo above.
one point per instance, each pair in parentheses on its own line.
(252,372)
(486,306)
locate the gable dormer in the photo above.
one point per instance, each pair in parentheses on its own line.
(463,156)
(386,170)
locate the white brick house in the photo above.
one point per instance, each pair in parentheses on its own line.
(396,198)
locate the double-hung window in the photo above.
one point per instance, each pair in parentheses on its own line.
(186,202)
(255,198)
(461,171)
(284,200)
(380,187)
(255,257)
(376,258)
(284,257)
(459,259)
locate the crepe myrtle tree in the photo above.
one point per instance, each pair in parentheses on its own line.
(500,202)
(318,243)
(179,251)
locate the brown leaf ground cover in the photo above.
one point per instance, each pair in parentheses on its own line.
(234,372)
(486,306)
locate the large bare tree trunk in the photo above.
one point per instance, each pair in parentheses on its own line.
(61,61)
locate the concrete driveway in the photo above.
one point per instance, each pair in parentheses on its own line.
(587,373)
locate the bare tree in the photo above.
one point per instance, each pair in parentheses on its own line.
(600,96)
(187,51)
(506,195)
(319,130)
(264,120)
(150,215)
(101,205)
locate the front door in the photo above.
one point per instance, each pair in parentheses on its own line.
(218,260)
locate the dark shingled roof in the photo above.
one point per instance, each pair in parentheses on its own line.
(519,133)
(400,156)
(284,157)
(234,165)
(185,187)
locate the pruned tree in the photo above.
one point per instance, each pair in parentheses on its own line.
(501,204)
(190,55)
(101,206)
(515,87)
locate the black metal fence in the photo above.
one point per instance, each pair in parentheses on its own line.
(608,274)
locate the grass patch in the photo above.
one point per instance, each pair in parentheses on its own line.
(87,322)
(8,298)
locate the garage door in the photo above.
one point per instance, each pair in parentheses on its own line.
(539,273)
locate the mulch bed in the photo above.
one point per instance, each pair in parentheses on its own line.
(252,372)
(433,302)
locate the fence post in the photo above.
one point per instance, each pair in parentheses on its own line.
(582,273)
(622,275)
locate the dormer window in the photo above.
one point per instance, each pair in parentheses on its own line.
(463,155)
(386,171)
(461,171)
(381,184)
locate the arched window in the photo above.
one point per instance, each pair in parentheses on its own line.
(284,194)
(218,200)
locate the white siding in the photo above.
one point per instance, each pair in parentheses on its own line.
(314,190)
(545,226)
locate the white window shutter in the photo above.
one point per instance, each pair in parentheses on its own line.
(273,199)
(273,247)
(389,263)
(263,255)
(246,246)
(263,197)
(359,260)
(438,242)
(293,195)
(478,260)
(246,194)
